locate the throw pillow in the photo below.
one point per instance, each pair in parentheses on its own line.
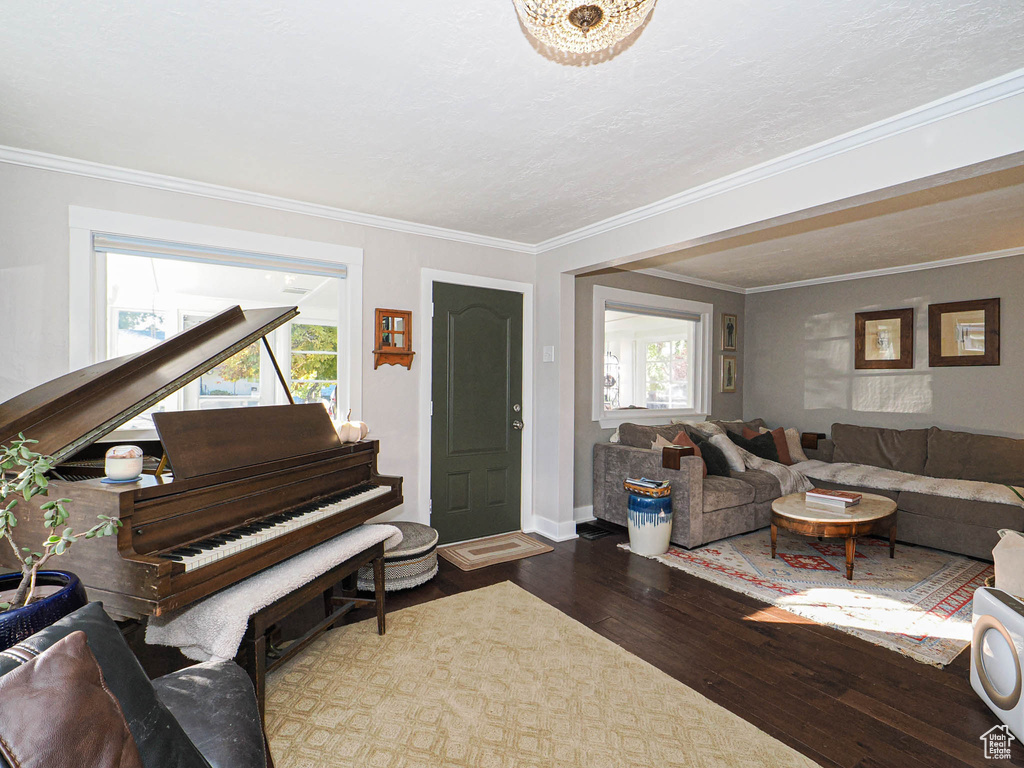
(714,459)
(762,445)
(57,712)
(160,739)
(796,449)
(779,436)
(684,439)
(728,448)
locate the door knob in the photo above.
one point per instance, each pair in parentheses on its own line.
(517,424)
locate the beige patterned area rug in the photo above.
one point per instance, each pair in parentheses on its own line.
(495,677)
(918,603)
(493,550)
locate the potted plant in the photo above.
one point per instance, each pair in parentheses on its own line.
(23,611)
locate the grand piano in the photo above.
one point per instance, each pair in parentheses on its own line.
(225,493)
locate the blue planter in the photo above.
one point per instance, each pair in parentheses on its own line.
(650,524)
(19,623)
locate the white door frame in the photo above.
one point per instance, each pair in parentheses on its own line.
(425,355)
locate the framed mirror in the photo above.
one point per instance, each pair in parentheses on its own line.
(963,333)
(884,339)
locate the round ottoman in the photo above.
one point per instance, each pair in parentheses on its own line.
(411,563)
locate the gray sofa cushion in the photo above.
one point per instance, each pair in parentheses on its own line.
(904,450)
(968,456)
(642,435)
(979,513)
(725,492)
(766,485)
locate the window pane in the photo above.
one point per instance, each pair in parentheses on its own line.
(312,366)
(314,338)
(325,392)
(648,361)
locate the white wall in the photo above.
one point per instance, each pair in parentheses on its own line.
(799,355)
(34,247)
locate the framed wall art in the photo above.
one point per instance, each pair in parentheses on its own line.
(963,333)
(730,333)
(884,339)
(729,373)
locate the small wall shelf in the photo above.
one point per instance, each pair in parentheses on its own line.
(392,338)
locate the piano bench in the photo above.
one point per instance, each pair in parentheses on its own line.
(252,654)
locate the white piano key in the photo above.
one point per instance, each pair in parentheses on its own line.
(250,540)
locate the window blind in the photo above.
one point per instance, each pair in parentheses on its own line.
(135,246)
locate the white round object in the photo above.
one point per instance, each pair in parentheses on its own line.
(123,462)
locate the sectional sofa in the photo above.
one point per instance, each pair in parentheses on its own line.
(952,489)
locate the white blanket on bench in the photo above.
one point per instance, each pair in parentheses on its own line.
(212,629)
(865,476)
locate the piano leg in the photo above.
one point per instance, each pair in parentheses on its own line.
(378,589)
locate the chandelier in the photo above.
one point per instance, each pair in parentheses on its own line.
(574,28)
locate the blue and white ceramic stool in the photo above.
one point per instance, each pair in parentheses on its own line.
(650,518)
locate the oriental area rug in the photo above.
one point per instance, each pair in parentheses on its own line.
(495,677)
(918,604)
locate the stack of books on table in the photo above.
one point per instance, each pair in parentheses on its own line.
(835,499)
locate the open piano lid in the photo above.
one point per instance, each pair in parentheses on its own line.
(72,412)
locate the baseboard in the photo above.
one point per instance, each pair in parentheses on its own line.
(584,514)
(550,529)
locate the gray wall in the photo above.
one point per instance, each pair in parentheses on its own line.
(588,431)
(798,355)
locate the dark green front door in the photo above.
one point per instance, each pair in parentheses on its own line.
(476,390)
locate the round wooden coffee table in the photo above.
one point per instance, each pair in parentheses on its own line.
(874,514)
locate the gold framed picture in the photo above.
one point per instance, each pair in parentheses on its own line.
(963,333)
(730,333)
(884,339)
(729,373)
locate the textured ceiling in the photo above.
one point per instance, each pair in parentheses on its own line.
(443,113)
(977,216)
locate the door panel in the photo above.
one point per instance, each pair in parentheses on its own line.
(476,386)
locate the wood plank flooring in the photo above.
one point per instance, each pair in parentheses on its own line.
(836,698)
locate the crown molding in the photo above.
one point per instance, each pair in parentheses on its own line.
(48,162)
(1007,86)
(665,274)
(955,261)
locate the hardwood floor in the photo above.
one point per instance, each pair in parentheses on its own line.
(837,699)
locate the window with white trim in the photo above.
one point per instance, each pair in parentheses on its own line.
(149,298)
(651,356)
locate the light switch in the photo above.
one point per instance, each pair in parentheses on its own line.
(549,354)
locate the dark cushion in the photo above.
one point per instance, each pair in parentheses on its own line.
(762,445)
(737,427)
(904,450)
(56,711)
(214,702)
(642,435)
(969,456)
(713,457)
(161,741)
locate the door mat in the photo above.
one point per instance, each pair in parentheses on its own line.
(493,550)
(918,604)
(591,531)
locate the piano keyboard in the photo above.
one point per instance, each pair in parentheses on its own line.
(207,551)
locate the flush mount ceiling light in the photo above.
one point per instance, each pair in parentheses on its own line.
(574,28)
